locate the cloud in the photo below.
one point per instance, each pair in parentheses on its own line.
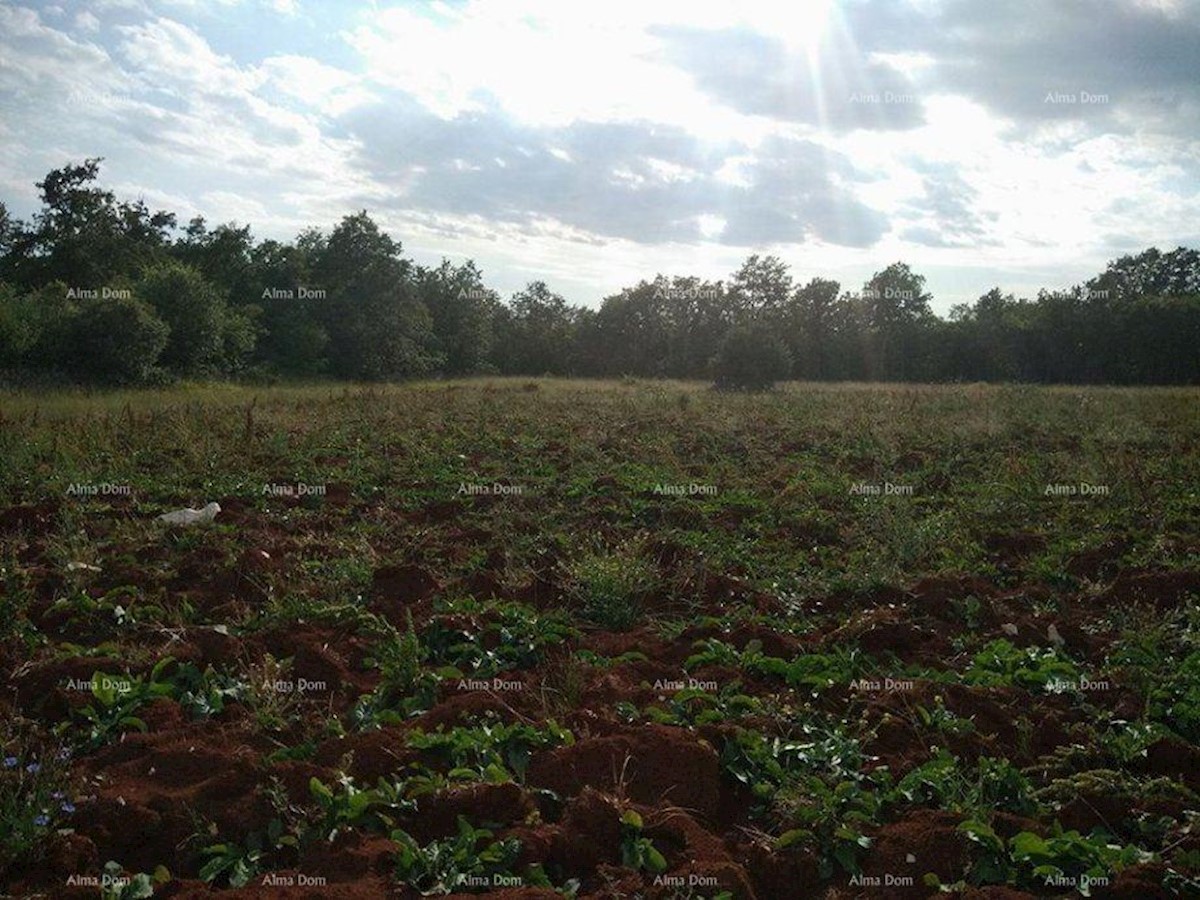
(795,194)
(634,181)
(85,21)
(948,210)
(760,75)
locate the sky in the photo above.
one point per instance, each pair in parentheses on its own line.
(1019,144)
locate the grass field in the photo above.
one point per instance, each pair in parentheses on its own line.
(601,639)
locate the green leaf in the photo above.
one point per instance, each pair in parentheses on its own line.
(655,861)
(794,836)
(319,791)
(104,690)
(139,888)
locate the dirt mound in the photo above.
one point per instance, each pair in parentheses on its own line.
(793,872)
(147,795)
(1163,589)
(651,765)
(590,835)
(397,588)
(930,837)
(1014,545)
(484,805)
(35,520)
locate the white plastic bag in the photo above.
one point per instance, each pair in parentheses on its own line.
(191,516)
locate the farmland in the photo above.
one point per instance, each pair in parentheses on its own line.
(601,639)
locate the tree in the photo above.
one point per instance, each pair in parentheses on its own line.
(224,256)
(463,313)
(377,326)
(540,332)
(1151,273)
(290,304)
(116,341)
(751,358)
(761,286)
(83,237)
(205,336)
(895,308)
(810,324)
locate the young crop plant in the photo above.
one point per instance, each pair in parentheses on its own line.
(692,706)
(496,637)
(638,851)
(345,805)
(1033,668)
(116,885)
(115,699)
(233,863)
(943,782)
(492,750)
(470,860)
(1063,859)
(814,789)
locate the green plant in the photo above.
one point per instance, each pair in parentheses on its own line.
(494,638)
(1063,858)
(611,586)
(638,851)
(1001,663)
(116,885)
(751,358)
(35,793)
(116,699)
(355,807)
(942,719)
(235,863)
(491,750)
(469,859)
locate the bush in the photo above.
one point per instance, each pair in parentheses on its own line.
(751,358)
(117,341)
(205,334)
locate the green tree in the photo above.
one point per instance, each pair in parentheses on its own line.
(463,312)
(82,236)
(761,286)
(752,358)
(540,332)
(115,341)
(377,326)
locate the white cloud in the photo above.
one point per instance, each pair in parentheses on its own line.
(85,21)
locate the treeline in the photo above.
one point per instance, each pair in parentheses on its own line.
(95,289)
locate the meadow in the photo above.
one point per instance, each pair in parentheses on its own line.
(543,638)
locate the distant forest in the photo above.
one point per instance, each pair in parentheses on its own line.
(98,290)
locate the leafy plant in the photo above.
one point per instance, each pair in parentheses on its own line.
(638,851)
(116,699)
(1001,663)
(490,750)
(355,807)
(236,864)
(116,885)
(468,859)
(1028,859)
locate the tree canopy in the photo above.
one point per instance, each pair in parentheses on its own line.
(100,289)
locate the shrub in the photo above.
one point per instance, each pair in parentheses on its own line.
(113,340)
(751,358)
(205,333)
